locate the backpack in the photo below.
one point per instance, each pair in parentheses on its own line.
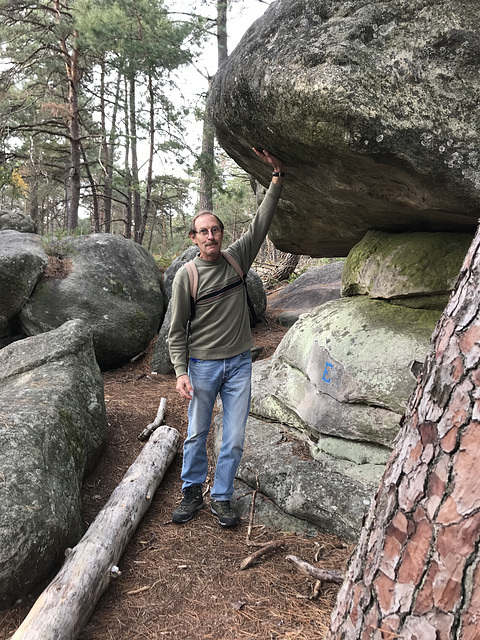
(193,281)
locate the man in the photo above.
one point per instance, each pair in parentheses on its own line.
(217,358)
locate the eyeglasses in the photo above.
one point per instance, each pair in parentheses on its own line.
(204,232)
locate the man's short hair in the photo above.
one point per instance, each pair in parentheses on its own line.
(193,230)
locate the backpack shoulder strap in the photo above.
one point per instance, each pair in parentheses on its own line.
(231,260)
(193,283)
(192,278)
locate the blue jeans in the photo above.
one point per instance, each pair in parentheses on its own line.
(231,378)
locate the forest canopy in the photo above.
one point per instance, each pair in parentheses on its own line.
(90,113)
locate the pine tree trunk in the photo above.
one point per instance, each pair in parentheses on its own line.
(127,227)
(207,163)
(75,155)
(137,212)
(33,199)
(71,61)
(222,38)
(207,157)
(105,156)
(148,189)
(416,571)
(288,266)
(108,148)
(94,188)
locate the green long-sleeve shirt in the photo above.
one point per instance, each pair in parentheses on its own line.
(221,326)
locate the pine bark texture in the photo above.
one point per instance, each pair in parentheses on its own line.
(416,570)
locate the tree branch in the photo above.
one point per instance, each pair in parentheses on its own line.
(319,574)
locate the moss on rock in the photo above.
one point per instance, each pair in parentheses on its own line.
(404,265)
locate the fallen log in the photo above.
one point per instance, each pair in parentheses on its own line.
(325,575)
(64,607)
(149,429)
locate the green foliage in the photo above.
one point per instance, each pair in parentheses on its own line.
(235,201)
(119,46)
(293,276)
(57,247)
(12,180)
(133,40)
(136,34)
(58,244)
(163,262)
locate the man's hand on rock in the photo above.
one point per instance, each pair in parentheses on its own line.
(274,162)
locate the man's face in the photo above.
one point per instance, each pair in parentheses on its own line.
(208,236)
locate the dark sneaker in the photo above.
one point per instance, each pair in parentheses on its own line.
(192,501)
(224,512)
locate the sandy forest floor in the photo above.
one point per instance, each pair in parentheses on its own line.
(184,581)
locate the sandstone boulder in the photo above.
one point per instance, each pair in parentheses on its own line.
(16,220)
(110,282)
(344,370)
(328,494)
(266,512)
(373,107)
(412,269)
(160,362)
(333,395)
(52,430)
(185,256)
(311,289)
(22,263)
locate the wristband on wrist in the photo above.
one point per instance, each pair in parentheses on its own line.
(278,174)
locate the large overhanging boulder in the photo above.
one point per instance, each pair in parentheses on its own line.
(52,430)
(372,105)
